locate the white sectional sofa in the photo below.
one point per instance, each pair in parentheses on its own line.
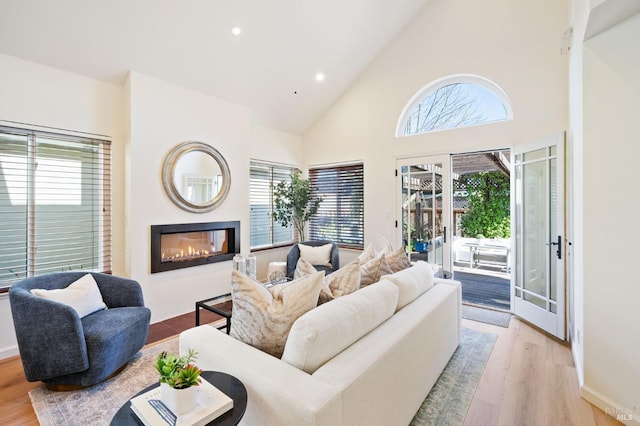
(367,358)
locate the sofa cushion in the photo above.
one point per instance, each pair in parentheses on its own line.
(411,282)
(318,255)
(83,295)
(324,332)
(371,271)
(344,281)
(263,317)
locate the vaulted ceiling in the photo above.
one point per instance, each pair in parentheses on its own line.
(270,67)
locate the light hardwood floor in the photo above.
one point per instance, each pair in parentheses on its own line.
(530,379)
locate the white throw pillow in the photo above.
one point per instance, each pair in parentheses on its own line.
(262,317)
(411,282)
(83,295)
(327,330)
(320,255)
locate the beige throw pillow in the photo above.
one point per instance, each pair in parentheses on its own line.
(303,268)
(371,271)
(367,254)
(83,295)
(397,260)
(320,255)
(340,283)
(263,317)
(344,281)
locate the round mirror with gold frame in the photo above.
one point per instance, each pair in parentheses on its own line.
(196,177)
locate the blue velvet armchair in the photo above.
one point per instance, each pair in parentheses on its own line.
(65,351)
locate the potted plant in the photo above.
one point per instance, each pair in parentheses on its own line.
(293,203)
(179,378)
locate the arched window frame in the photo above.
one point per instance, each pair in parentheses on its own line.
(446,81)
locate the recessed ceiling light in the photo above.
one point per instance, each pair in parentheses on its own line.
(236,31)
(319,76)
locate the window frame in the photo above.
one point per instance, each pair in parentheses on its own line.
(283,168)
(94,168)
(430,88)
(342,239)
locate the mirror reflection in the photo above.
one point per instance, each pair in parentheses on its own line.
(196,177)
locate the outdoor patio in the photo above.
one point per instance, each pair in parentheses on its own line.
(484,287)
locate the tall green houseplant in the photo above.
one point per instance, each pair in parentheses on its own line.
(293,203)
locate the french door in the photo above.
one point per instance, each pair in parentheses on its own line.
(425,209)
(538,283)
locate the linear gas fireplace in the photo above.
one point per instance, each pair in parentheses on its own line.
(191,244)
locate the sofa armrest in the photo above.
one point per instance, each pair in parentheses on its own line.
(458,285)
(278,392)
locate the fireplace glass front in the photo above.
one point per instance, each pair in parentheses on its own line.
(186,245)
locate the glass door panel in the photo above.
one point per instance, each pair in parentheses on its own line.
(534,229)
(425,209)
(539,231)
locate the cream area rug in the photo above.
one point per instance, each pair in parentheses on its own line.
(446,404)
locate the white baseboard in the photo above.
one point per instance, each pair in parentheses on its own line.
(8,352)
(615,410)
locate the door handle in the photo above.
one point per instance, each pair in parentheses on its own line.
(444,238)
(559,244)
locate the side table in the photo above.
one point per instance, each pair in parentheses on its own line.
(221,305)
(223,381)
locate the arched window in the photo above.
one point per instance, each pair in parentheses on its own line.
(454,101)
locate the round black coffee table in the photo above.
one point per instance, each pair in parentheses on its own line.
(225,382)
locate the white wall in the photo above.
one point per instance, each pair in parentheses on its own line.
(611,105)
(575,226)
(514,44)
(163,115)
(44,96)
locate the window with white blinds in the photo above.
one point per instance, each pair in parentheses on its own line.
(265,232)
(341,215)
(55,204)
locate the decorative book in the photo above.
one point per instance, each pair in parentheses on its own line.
(211,404)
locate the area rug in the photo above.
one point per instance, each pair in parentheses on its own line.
(488,316)
(446,404)
(449,399)
(97,405)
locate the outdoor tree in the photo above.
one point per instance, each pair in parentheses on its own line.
(488,212)
(448,107)
(293,203)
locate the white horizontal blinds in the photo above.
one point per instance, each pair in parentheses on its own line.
(265,231)
(340,217)
(13,207)
(63,184)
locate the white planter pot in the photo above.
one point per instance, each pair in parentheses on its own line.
(179,401)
